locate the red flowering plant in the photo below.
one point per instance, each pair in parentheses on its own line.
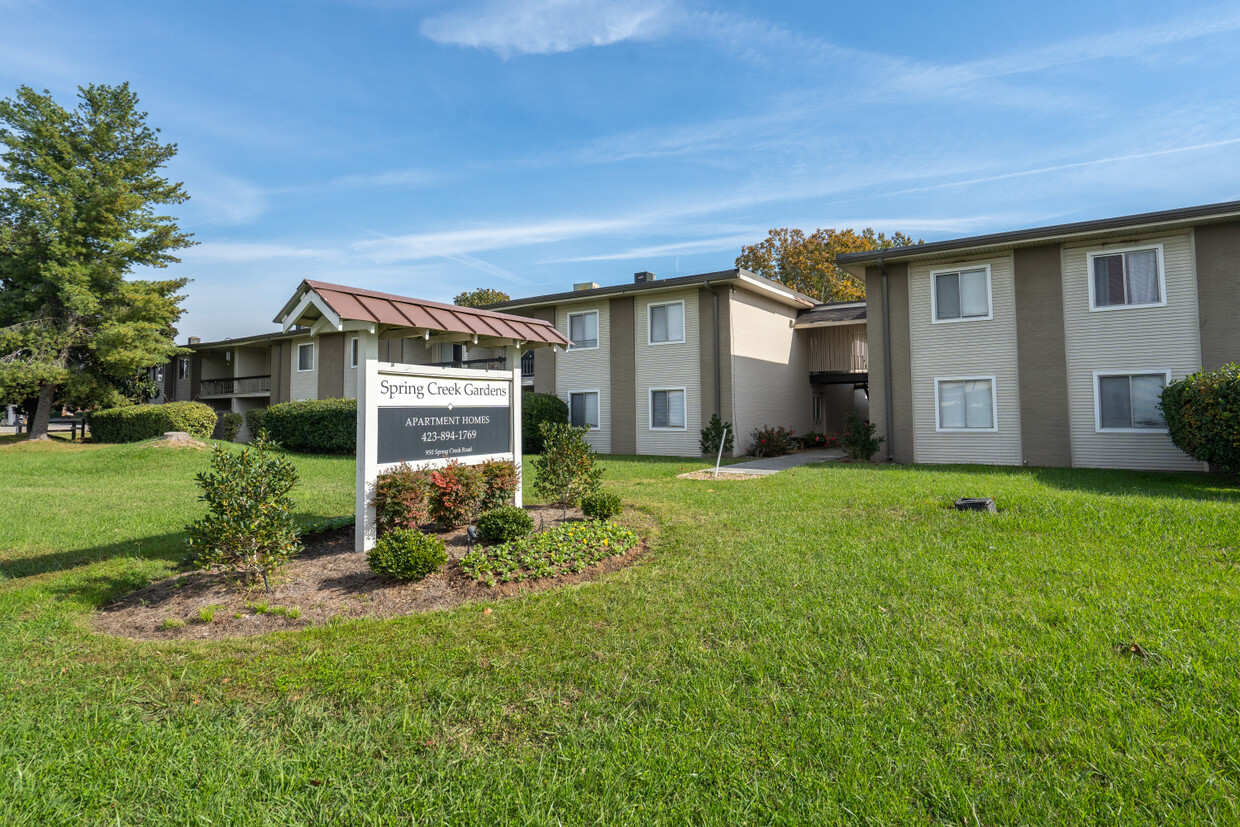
(770,442)
(817,440)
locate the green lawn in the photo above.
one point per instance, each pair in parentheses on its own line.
(830,644)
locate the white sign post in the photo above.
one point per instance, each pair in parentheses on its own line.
(427,417)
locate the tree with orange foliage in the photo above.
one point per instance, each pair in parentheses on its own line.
(807,263)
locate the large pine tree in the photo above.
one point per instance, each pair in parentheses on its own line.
(79,214)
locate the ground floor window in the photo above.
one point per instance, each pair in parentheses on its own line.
(667,408)
(583,409)
(1129,401)
(965,403)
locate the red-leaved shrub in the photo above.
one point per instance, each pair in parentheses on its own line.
(455,492)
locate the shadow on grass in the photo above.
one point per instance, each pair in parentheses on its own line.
(169,547)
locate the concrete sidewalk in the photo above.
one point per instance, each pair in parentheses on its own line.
(773,465)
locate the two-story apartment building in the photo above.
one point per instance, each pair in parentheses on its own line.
(1050,346)
(650,362)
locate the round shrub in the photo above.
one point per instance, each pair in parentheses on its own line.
(228,425)
(135,423)
(601,505)
(537,408)
(406,554)
(1202,412)
(313,426)
(500,525)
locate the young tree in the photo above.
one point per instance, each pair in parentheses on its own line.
(78,214)
(807,263)
(480,296)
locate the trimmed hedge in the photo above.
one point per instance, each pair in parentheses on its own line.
(228,426)
(314,426)
(138,422)
(537,408)
(1202,412)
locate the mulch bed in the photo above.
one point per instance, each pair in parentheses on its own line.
(327,581)
(724,476)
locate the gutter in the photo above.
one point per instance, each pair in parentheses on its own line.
(890,419)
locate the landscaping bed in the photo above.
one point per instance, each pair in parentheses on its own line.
(326,582)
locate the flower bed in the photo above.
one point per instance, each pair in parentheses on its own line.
(569,547)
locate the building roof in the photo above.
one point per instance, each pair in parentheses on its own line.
(753,280)
(1165,219)
(835,313)
(368,306)
(242,341)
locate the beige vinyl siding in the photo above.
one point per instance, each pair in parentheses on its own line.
(837,348)
(770,368)
(1128,340)
(973,347)
(350,372)
(588,370)
(668,367)
(252,361)
(181,386)
(304,385)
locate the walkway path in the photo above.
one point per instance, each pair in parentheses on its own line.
(773,465)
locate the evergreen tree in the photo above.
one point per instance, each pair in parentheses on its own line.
(78,215)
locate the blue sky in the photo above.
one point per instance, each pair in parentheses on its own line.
(423,148)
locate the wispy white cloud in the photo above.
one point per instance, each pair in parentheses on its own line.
(407,178)
(222,199)
(226,252)
(450,243)
(486,267)
(542,27)
(679,248)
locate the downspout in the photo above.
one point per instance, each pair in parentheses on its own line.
(890,419)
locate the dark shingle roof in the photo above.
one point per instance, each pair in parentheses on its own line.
(838,313)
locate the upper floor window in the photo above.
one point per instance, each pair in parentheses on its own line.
(583,330)
(667,323)
(1126,278)
(182,367)
(353,352)
(1129,402)
(305,357)
(961,294)
(965,403)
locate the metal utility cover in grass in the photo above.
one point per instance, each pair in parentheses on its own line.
(985,504)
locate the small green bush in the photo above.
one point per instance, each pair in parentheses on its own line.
(248,528)
(770,442)
(499,480)
(1202,412)
(537,408)
(455,492)
(500,525)
(228,425)
(714,433)
(400,498)
(135,423)
(257,420)
(565,471)
(406,554)
(563,548)
(601,505)
(859,441)
(313,426)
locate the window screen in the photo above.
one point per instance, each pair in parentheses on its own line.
(667,323)
(961,295)
(305,357)
(583,409)
(667,409)
(583,330)
(967,403)
(1130,401)
(1126,278)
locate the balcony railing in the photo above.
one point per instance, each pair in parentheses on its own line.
(527,364)
(496,363)
(235,386)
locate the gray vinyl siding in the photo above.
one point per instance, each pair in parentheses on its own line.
(668,366)
(1128,340)
(975,347)
(1217,250)
(770,368)
(350,372)
(578,371)
(303,384)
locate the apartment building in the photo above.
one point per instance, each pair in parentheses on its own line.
(1050,346)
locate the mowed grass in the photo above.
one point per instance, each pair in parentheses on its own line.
(830,644)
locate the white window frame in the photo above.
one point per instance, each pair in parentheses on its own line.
(959,268)
(1162,280)
(597,393)
(297,356)
(598,330)
(182,367)
(684,326)
(650,414)
(994,404)
(1099,374)
(354,348)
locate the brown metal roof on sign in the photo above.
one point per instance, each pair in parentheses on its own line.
(354,304)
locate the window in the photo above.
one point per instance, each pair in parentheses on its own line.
(667,323)
(182,368)
(583,330)
(353,352)
(961,294)
(1124,278)
(305,357)
(667,408)
(583,409)
(965,403)
(1129,402)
